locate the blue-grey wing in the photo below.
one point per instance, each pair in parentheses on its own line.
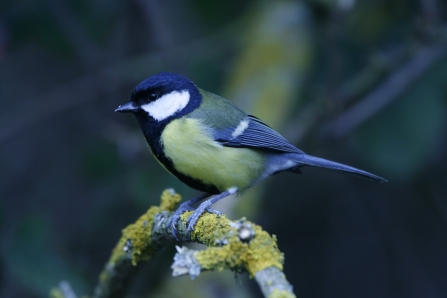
(254,134)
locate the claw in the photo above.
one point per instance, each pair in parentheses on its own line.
(186,206)
(192,220)
(213,211)
(203,207)
(173,221)
(209,210)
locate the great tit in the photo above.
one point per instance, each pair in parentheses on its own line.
(210,144)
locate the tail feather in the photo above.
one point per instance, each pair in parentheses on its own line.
(308,160)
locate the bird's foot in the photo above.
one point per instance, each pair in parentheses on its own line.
(204,207)
(191,221)
(184,207)
(173,221)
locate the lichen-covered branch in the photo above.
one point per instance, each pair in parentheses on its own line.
(240,246)
(135,246)
(63,291)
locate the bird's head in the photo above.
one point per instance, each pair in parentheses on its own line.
(162,97)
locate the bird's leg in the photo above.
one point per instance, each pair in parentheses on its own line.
(186,206)
(204,206)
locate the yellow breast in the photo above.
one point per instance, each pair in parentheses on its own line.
(193,151)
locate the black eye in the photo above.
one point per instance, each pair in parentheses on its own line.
(152,96)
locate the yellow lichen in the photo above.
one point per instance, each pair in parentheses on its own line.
(210,227)
(169,200)
(185,215)
(139,233)
(281,294)
(225,249)
(56,293)
(261,252)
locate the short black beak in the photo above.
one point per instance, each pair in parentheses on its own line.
(127,107)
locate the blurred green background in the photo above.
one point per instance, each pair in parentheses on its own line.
(363,82)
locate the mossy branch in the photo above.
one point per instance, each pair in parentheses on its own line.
(240,246)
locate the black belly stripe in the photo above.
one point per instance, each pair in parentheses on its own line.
(152,136)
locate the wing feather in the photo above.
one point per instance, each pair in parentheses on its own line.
(256,135)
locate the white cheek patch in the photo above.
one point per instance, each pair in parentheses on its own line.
(240,128)
(167,105)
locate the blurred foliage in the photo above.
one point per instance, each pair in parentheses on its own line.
(279,35)
(413,125)
(37,260)
(101,162)
(73,173)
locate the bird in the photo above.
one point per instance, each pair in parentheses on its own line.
(211,145)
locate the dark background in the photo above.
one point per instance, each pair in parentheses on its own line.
(361,82)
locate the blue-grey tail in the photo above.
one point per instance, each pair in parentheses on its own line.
(308,160)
